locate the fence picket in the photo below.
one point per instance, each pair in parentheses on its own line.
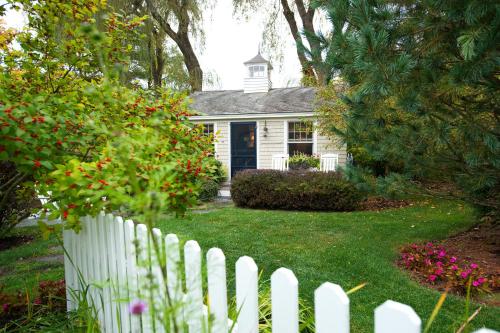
(394,317)
(106,295)
(331,308)
(247,295)
(217,290)
(132,286)
(121,274)
(193,310)
(68,271)
(159,296)
(104,253)
(143,260)
(284,301)
(174,283)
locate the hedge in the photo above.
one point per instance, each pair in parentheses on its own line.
(294,190)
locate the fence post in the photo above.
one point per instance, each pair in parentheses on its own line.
(194,297)
(331,309)
(217,289)
(394,317)
(284,301)
(247,295)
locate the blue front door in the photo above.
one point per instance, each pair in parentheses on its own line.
(243,146)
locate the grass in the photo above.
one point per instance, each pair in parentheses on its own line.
(343,248)
(19,269)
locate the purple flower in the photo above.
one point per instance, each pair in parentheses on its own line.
(473,266)
(137,307)
(454,268)
(432,277)
(441,253)
(453,259)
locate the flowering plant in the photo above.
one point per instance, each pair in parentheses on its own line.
(434,264)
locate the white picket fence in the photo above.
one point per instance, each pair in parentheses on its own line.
(104,253)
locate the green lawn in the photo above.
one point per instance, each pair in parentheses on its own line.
(19,270)
(344,248)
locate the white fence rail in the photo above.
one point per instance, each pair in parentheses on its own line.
(118,257)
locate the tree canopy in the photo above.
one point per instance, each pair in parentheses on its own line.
(423,82)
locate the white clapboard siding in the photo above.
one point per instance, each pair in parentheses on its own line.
(104,255)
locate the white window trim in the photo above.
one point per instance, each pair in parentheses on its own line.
(286,141)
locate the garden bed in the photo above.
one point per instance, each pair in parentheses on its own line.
(474,252)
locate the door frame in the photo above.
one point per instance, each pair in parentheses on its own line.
(257,146)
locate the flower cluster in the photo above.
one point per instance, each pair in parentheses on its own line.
(434,264)
(51,296)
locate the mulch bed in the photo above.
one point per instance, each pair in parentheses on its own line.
(480,244)
(379,203)
(13,241)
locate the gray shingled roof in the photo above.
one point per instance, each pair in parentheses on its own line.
(234,102)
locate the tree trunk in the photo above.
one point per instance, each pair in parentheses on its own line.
(157,59)
(307,69)
(181,38)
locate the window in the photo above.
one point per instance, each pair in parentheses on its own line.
(208,129)
(257,71)
(300,137)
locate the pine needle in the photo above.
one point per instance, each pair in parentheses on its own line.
(464,325)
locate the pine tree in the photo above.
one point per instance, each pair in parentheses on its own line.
(424,87)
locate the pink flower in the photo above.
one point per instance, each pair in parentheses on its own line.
(5,307)
(37,301)
(454,268)
(438,271)
(137,307)
(428,262)
(430,244)
(432,277)
(441,253)
(453,259)
(473,266)
(439,264)
(465,274)
(476,283)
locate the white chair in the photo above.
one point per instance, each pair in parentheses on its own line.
(280,162)
(328,162)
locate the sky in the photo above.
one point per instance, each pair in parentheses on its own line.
(229,42)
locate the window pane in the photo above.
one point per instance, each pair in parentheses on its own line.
(296,148)
(299,131)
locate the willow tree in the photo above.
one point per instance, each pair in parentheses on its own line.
(300,17)
(180,20)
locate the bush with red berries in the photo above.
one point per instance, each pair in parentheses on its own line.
(433,264)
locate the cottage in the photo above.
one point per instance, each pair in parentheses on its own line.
(253,125)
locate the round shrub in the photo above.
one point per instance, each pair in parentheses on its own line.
(294,190)
(209,190)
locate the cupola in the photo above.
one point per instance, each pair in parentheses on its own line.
(257,75)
